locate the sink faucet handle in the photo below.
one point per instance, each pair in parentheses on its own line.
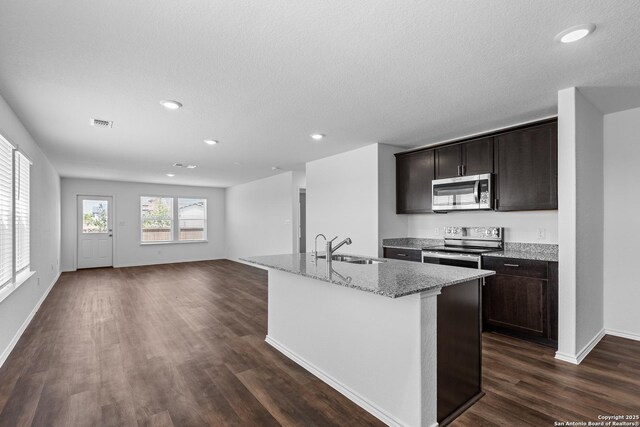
(333,239)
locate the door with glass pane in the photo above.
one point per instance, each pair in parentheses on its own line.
(95,231)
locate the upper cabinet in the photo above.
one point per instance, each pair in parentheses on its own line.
(414,173)
(526,163)
(448,160)
(470,158)
(477,156)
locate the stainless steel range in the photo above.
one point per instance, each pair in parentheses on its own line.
(463,246)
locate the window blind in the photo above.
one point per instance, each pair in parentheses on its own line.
(22,187)
(6,212)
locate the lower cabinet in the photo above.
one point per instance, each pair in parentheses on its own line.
(521,299)
(403,254)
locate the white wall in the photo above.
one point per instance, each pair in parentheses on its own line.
(127,248)
(17,309)
(519,226)
(621,223)
(590,221)
(342,200)
(581,224)
(260,216)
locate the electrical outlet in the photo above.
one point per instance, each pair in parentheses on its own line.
(542,233)
(437,231)
(159,252)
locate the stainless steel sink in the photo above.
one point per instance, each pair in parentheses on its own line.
(352,259)
(365,261)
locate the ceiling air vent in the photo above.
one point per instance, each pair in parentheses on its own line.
(99,123)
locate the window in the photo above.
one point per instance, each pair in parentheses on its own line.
(15,169)
(192,219)
(6,212)
(157,219)
(95,216)
(22,170)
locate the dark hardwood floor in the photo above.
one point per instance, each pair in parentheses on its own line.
(183,344)
(526,385)
(177,344)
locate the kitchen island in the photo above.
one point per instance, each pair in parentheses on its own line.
(399,338)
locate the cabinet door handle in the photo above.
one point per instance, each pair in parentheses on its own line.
(464,170)
(459,172)
(511,265)
(402,254)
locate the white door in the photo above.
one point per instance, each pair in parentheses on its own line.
(95,231)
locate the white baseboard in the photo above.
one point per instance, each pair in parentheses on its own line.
(622,334)
(7,351)
(578,358)
(248,263)
(346,391)
(149,263)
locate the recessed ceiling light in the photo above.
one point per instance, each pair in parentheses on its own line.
(171,175)
(191,166)
(275,168)
(211,141)
(317,136)
(576,33)
(178,165)
(170,105)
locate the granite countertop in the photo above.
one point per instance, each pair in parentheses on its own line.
(532,251)
(411,243)
(390,278)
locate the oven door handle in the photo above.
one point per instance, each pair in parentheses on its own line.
(455,257)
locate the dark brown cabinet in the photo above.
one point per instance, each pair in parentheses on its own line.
(448,160)
(477,156)
(521,299)
(526,165)
(414,173)
(524,162)
(470,158)
(403,254)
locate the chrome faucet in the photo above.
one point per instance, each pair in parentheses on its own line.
(315,246)
(331,249)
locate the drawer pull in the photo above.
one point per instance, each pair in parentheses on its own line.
(401,254)
(511,265)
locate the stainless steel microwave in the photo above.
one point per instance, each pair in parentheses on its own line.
(472,192)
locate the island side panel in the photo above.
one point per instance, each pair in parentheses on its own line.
(459,349)
(366,346)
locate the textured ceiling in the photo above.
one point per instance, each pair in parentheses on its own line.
(260,76)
